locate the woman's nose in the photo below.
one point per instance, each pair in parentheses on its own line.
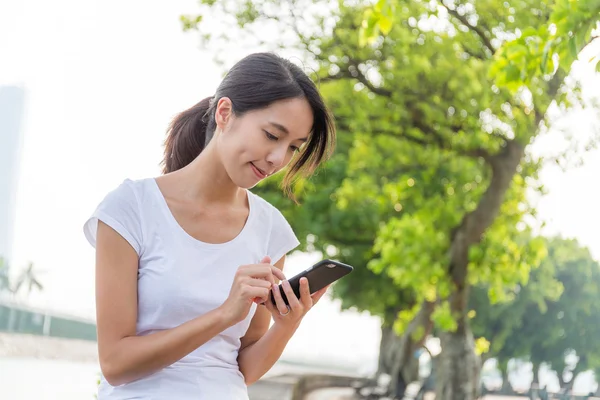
(277,156)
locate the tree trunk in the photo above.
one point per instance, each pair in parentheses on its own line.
(459,366)
(536,374)
(396,353)
(506,386)
(561,379)
(458,377)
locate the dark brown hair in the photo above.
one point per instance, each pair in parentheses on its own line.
(255,82)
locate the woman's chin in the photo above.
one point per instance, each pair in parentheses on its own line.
(246,183)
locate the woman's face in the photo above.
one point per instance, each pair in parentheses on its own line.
(261,142)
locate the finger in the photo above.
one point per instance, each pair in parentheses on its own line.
(305,298)
(270,306)
(281,306)
(259,271)
(258,283)
(291,296)
(316,296)
(265,260)
(256,293)
(278,273)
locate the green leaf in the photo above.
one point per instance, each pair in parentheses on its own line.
(546,53)
(380,5)
(385,24)
(443,317)
(581,37)
(513,74)
(573,47)
(190,23)
(516,52)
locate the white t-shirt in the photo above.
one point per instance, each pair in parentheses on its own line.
(181,278)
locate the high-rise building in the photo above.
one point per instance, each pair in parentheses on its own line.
(12,103)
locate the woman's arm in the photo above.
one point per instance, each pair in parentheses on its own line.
(125,357)
(261,347)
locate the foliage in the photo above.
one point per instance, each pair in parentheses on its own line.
(436,104)
(555,315)
(526,53)
(417,143)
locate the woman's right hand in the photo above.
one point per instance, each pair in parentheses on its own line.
(252,284)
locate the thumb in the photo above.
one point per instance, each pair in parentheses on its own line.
(266,260)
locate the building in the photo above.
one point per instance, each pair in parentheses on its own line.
(12,105)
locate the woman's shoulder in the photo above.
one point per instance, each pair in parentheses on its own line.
(134,184)
(132,189)
(129,197)
(262,205)
(268,210)
(282,238)
(121,210)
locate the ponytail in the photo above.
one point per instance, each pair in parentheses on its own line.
(188,134)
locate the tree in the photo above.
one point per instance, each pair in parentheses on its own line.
(556,315)
(27,278)
(435,120)
(501,323)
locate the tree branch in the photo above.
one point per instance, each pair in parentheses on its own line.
(590,41)
(356,73)
(336,77)
(353,72)
(553,87)
(476,29)
(474,224)
(474,54)
(294,25)
(442,145)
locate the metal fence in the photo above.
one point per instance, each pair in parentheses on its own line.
(23,319)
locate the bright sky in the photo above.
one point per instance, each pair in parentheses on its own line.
(103,79)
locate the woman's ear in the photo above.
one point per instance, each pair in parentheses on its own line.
(224,113)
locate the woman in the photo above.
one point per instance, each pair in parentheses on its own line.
(186,262)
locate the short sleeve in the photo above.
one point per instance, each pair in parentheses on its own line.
(120,210)
(282,238)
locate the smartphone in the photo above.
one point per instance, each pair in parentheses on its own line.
(319,275)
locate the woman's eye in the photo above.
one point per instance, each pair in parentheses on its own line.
(270,136)
(295,149)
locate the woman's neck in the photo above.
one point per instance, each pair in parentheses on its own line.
(205,180)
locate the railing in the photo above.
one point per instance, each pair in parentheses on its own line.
(22,319)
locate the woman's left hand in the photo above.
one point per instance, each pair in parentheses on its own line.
(292,315)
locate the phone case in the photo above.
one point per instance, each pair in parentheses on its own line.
(319,275)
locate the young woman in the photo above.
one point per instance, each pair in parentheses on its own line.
(186,262)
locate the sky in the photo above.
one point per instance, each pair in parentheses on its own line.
(102,80)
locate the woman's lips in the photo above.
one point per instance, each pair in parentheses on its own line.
(258,172)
